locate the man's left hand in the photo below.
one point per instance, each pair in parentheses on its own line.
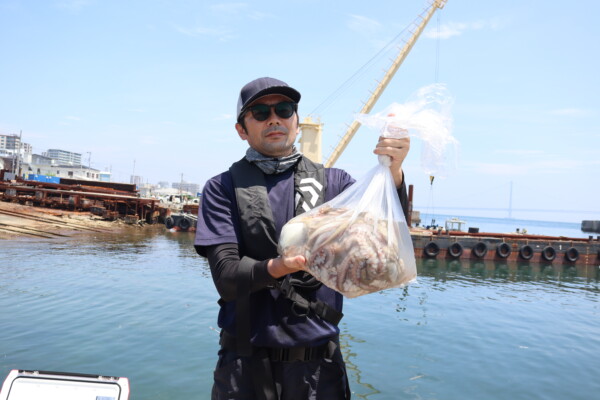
(397,150)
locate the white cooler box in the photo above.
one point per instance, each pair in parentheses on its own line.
(42,385)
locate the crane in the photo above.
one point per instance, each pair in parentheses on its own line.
(310,142)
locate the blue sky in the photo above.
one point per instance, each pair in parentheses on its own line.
(150,88)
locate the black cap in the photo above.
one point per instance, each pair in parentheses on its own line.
(261,87)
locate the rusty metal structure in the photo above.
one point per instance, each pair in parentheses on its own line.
(110,201)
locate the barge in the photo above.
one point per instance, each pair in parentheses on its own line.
(508,247)
(452,243)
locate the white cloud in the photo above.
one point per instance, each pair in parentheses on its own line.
(450,29)
(73,5)
(572,112)
(198,31)
(229,8)
(499,169)
(224,117)
(69,119)
(520,152)
(238,9)
(530,165)
(225,19)
(363,25)
(149,140)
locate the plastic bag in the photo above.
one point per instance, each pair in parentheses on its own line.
(427,116)
(358,242)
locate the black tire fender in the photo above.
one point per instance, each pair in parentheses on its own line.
(526,252)
(480,249)
(431,249)
(503,250)
(455,250)
(184,224)
(169,223)
(572,254)
(548,253)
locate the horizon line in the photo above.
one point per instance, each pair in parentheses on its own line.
(510,210)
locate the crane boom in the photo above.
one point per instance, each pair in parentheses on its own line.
(368,106)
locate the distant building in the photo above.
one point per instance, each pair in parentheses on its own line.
(63,157)
(192,188)
(14,152)
(66,171)
(105,176)
(7,163)
(12,144)
(41,160)
(163,185)
(136,180)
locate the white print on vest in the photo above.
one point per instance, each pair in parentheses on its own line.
(311,186)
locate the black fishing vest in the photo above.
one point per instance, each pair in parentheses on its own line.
(257,228)
(257,225)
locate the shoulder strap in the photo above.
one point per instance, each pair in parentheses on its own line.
(257,222)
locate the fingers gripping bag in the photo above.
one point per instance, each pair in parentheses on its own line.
(358,242)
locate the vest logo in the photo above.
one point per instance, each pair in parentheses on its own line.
(309,190)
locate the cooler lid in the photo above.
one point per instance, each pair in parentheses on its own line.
(44,385)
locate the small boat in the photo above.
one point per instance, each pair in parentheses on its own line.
(181,222)
(454,224)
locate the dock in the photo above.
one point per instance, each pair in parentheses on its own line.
(111,201)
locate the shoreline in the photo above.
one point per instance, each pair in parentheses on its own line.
(21,221)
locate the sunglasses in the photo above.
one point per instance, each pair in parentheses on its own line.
(261,112)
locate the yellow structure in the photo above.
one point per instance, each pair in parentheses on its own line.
(310,142)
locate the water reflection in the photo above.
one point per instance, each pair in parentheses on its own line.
(443,270)
(185,241)
(365,389)
(524,272)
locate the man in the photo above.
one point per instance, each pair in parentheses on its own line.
(279,333)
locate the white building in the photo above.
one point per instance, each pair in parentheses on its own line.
(63,157)
(66,171)
(11,145)
(136,180)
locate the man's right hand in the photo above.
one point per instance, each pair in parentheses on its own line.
(281,266)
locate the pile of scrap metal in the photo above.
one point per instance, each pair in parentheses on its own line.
(109,200)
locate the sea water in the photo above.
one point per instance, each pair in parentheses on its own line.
(141,304)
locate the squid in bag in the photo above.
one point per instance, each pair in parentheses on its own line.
(358,242)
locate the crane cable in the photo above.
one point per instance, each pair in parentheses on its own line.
(430,205)
(350,81)
(362,70)
(437,69)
